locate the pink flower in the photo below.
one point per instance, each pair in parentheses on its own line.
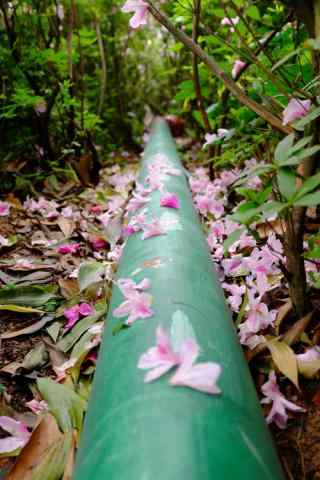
(237,67)
(230,21)
(61,370)
(259,317)
(99,243)
(128,287)
(137,305)
(67,212)
(137,201)
(69,248)
(19,435)
(310,355)
(152,229)
(202,376)
(213,137)
(159,359)
(170,200)
(95,209)
(235,300)
(140,10)
(73,314)
(36,406)
(295,109)
(128,230)
(278,413)
(4,209)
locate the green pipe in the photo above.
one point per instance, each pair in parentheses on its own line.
(138,431)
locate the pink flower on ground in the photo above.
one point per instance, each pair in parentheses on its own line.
(95,209)
(69,248)
(259,317)
(128,230)
(19,435)
(310,355)
(61,370)
(201,376)
(170,200)
(4,209)
(36,406)
(140,10)
(278,413)
(72,314)
(159,359)
(237,291)
(295,109)
(237,67)
(137,306)
(99,243)
(152,229)
(137,201)
(67,212)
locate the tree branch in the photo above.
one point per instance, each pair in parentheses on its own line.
(269,117)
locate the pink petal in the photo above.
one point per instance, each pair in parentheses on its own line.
(69,248)
(4,209)
(295,109)
(170,200)
(202,377)
(19,435)
(237,67)
(85,309)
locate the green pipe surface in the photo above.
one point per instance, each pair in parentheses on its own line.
(138,431)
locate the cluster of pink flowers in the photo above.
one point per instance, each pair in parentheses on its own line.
(162,358)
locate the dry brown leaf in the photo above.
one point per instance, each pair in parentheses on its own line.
(28,330)
(282,313)
(69,287)
(66,225)
(294,333)
(68,471)
(285,360)
(45,435)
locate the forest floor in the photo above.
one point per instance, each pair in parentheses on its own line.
(44,242)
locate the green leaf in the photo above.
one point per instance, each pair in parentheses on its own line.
(81,326)
(89,273)
(282,150)
(285,360)
(20,309)
(284,59)
(181,330)
(309,200)
(300,144)
(310,184)
(286,179)
(67,407)
(312,115)
(232,238)
(253,12)
(296,159)
(31,296)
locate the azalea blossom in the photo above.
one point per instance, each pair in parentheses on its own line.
(295,109)
(310,355)
(137,201)
(159,359)
(162,358)
(73,313)
(140,10)
(99,243)
(61,370)
(201,376)
(135,307)
(4,209)
(153,229)
(129,287)
(237,67)
(213,137)
(230,22)
(69,248)
(37,406)
(280,404)
(170,200)
(18,438)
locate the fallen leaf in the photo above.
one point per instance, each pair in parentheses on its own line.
(294,333)
(90,273)
(46,454)
(66,225)
(66,405)
(20,309)
(28,330)
(285,360)
(282,313)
